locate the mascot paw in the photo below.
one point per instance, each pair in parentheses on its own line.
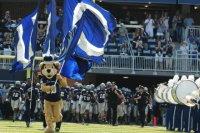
(53,89)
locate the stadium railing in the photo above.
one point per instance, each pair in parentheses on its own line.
(179,63)
(192,31)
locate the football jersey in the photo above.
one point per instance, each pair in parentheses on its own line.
(86,97)
(76,94)
(101,96)
(65,95)
(128,97)
(35,93)
(15,93)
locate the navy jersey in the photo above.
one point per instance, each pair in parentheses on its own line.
(137,94)
(52,97)
(144,100)
(92,96)
(65,94)
(15,93)
(128,97)
(76,94)
(86,97)
(35,93)
(41,95)
(101,95)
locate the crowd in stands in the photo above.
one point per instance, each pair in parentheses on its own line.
(158,36)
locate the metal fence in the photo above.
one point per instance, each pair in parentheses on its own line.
(133,63)
(193,31)
(142,63)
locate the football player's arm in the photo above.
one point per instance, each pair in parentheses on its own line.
(80,99)
(123,97)
(118,94)
(137,97)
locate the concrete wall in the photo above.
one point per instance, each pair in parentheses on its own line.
(6,75)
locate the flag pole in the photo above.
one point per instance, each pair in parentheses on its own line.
(32,80)
(63,62)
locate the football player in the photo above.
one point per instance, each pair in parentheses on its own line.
(15,95)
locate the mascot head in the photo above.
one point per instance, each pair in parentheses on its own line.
(49,68)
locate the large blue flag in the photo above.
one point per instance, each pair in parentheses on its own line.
(74,67)
(26,41)
(97,26)
(52,31)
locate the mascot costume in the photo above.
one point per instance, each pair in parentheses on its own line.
(51,82)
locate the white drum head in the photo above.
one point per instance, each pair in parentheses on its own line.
(164,95)
(170,98)
(157,99)
(183,89)
(160,90)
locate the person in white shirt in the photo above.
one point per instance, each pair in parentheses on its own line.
(149,23)
(184,56)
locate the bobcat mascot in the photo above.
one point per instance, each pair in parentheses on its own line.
(51,83)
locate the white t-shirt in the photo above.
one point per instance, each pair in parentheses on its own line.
(184,50)
(149,23)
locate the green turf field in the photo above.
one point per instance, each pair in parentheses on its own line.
(36,127)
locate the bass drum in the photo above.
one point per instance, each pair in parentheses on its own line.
(157,99)
(170,97)
(160,90)
(181,90)
(164,94)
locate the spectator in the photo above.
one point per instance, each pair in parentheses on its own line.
(7,17)
(8,39)
(127,17)
(188,21)
(169,54)
(160,30)
(179,29)
(159,55)
(156,20)
(144,35)
(166,22)
(122,34)
(149,26)
(174,25)
(138,43)
(184,49)
(41,34)
(146,51)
